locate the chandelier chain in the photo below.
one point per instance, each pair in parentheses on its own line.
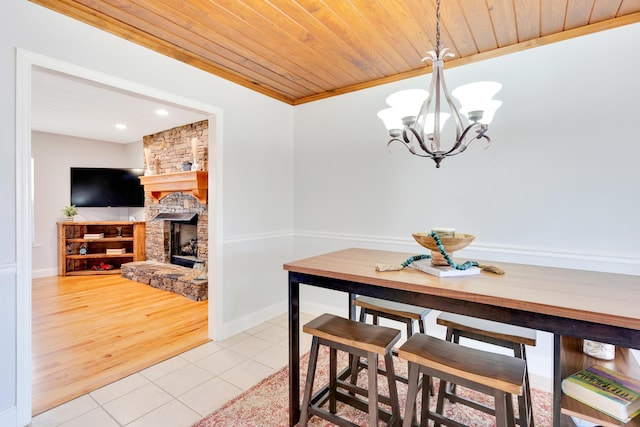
(437,28)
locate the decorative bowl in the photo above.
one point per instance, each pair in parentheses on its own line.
(451,244)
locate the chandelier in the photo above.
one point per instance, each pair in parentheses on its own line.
(421,133)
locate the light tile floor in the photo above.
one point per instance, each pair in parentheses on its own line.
(184,389)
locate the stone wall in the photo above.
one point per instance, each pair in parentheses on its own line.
(167,151)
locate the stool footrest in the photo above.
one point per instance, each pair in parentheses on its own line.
(454,398)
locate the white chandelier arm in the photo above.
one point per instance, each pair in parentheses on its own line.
(454,109)
(463,143)
(417,136)
(409,147)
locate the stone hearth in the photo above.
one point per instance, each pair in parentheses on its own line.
(168,277)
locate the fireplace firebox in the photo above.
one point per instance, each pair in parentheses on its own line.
(183,237)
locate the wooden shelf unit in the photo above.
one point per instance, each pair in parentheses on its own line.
(574,360)
(71,238)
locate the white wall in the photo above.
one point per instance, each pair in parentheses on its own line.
(255,192)
(560,175)
(557,187)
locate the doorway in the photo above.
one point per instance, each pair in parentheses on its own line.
(26,61)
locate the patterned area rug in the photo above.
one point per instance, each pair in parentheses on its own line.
(267,403)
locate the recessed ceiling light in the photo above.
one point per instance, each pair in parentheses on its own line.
(121,126)
(162,112)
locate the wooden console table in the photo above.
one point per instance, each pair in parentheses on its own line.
(568,303)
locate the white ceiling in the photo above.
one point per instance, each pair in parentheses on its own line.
(68,105)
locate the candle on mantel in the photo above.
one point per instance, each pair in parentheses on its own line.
(194,147)
(147,157)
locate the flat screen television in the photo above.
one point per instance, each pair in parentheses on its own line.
(106,187)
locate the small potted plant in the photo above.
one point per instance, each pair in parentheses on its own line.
(70,212)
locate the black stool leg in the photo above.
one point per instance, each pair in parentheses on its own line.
(412,395)
(372,361)
(422,324)
(333,374)
(440,401)
(393,388)
(427,391)
(308,388)
(409,328)
(444,386)
(354,361)
(525,407)
(504,409)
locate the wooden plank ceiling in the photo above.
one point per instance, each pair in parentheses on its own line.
(303,50)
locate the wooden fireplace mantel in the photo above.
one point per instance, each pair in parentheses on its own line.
(192,182)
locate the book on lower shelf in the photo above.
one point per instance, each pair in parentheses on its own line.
(425,266)
(116,251)
(93,235)
(608,391)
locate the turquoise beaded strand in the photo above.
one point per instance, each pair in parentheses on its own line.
(446,256)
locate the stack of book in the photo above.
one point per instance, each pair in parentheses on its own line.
(93,235)
(425,265)
(608,391)
(116,251)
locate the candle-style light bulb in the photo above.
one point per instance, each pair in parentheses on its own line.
(147,158)
(194,147)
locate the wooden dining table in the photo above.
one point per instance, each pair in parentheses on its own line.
(574,303)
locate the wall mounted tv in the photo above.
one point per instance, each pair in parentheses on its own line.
(106,187)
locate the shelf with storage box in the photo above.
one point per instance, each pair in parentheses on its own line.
(99,247)
(160,186)
(573,360)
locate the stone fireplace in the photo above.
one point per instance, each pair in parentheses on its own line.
(176,212)
(176,233)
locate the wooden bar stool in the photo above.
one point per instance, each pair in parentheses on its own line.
(495,374)
(379,308)
(404,313)
(361,340)
(496,333)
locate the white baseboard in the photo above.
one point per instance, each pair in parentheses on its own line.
(541,383)
(44,272)
(247,322)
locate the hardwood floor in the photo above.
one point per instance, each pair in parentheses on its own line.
(89,331)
